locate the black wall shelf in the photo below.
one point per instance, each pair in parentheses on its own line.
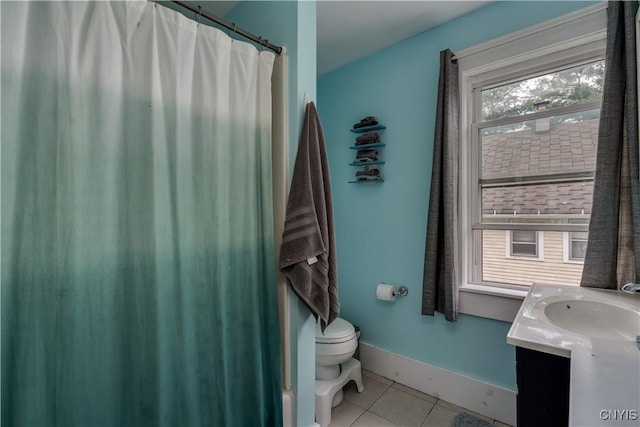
(372,179)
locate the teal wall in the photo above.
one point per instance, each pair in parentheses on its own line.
(303,324)
(381,228)
(292,24)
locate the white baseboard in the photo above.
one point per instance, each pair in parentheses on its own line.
(478,396)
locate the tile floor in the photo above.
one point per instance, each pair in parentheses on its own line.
(385,403)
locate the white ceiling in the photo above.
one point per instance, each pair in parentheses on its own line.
(219,7)
(350,30)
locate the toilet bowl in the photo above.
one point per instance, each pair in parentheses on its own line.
(335,366)
(335,346)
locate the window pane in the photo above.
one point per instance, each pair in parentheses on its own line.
(537,203)
(524,249)
(519,150)
(580,235)
(574,85)
(578,249)
(497,267)
(578,245)
(522,236)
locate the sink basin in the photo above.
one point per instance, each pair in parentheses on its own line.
(556,319)
(594,319)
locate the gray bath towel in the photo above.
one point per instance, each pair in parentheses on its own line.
(308,251)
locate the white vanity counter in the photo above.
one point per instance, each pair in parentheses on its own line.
(605,386)
(597,329)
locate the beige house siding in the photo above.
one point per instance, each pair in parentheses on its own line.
(499,267)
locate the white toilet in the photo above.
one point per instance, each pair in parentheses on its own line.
(334,366)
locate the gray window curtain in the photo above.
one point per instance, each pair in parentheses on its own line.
(613,251)
(439,288)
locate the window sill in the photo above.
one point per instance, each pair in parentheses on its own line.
(490,301)
(525,258)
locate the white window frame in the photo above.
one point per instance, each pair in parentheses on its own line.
(508,236)
(566,249)
(573,38)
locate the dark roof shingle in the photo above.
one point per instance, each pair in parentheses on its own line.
(567,147)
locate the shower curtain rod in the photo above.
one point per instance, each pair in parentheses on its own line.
(230,25)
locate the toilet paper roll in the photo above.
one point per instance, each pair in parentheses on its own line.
(385,292)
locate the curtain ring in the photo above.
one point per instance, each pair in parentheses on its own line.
(199,15)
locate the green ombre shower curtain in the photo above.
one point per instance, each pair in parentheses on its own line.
(138,278)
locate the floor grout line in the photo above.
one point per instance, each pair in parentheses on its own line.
(360,416)
(379,397)
(382,394)
(388,387)
(429,413)
(384,418)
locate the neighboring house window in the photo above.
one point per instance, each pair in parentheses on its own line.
(528,154)
(524,244)
(577,245)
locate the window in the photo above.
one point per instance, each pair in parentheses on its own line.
(524,243)
(528,155)
(534,140)
(577,245)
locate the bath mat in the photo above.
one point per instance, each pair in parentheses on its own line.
(467,420)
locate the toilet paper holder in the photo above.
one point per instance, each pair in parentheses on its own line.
(401,291)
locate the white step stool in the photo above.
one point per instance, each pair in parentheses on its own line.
(325,390)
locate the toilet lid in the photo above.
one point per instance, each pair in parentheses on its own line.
(338,331)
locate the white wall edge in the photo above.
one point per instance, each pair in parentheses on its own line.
(287,408)
(478,396)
